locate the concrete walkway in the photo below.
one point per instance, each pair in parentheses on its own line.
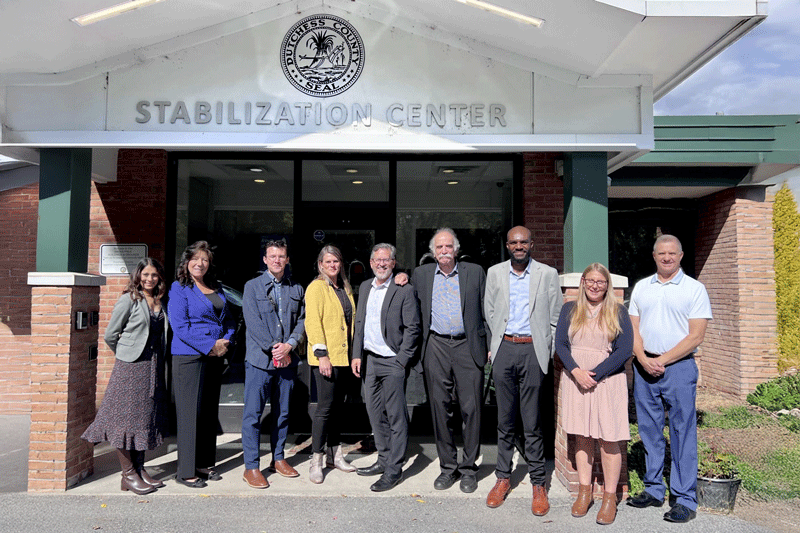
(342,503)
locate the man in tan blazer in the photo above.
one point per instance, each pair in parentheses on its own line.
(522,303)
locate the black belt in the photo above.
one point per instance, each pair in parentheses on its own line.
(649,354)
(373,354)
(460,337)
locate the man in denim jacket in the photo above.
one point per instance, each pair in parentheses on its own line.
(274,314)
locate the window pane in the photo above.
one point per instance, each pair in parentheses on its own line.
(471,197)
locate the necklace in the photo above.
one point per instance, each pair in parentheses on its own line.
(593,312)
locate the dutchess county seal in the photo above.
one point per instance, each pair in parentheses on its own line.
(322,55)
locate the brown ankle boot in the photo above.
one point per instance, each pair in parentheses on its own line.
(608,511)
(130,479)
(584,501)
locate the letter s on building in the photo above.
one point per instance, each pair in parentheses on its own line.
(141,108)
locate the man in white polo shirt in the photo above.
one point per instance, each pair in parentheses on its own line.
(669,312)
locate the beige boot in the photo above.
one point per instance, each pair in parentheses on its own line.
(584,501)
(608,511)
(315,470)
(336,460)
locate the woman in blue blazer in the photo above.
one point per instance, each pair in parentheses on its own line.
(133,415)
(202,327)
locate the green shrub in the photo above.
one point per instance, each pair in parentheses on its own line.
(714,464)
(777,394)
(786,230)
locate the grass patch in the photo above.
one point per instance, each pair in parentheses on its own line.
(776,476)
(738,417)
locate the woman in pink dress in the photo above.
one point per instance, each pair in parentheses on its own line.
(594,339)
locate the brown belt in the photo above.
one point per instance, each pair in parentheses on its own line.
(519,339)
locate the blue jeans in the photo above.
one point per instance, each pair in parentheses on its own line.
(259,386)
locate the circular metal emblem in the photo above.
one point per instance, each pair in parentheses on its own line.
(322,55)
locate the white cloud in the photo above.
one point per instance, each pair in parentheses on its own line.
(759,74)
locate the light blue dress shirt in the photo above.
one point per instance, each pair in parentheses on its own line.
(519,302)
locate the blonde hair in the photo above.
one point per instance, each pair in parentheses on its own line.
(608,317)
(335,252)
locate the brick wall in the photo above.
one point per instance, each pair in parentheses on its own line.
(19,215)
(63,387)
(543,208)
(734,260)
(131,210)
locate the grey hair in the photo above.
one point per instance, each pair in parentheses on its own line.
(668,238)
(383,246)
(456,244)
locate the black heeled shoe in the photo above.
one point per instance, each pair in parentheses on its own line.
(194,484)
(208,474)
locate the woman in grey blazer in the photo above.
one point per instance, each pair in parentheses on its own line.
(133,415)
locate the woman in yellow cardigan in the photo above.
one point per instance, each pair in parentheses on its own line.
(330,311)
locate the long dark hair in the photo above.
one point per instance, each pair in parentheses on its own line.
(183,275)
(134,287)
(334,251)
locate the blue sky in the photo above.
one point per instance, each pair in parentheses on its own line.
(758,75)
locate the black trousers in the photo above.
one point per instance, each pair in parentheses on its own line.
(518,381)
(326,426)
(385,396)
(196,381)
(454,382)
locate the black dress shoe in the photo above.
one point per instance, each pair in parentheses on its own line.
(373,470)
(386,482)
(468,483)
(645,500)
(679,514)
(445,481)
(196,483)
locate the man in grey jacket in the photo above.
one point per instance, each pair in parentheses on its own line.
(522,303)
(274,313)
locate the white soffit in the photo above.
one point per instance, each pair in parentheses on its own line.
(580,38)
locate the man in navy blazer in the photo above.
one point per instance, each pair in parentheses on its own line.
(384,345)
(453,354)
(274,313)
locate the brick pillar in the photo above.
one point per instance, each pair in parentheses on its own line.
(734,259)
(63,376)
(565,444)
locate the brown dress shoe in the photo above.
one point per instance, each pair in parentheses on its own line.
(608,511)
(255,478)
(283,468)
(539,505)
(498,493)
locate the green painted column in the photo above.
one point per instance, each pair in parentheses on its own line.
(585,210)
(62,237)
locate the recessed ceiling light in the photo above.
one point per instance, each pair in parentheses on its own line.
(113,11)
(448,171)
(256,169)
(260,181)
(503,12)
(352,171)
(357,182)
(452,182)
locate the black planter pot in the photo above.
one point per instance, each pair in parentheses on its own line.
(717,494)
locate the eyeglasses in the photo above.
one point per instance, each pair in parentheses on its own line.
(381,261)
(595,282)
